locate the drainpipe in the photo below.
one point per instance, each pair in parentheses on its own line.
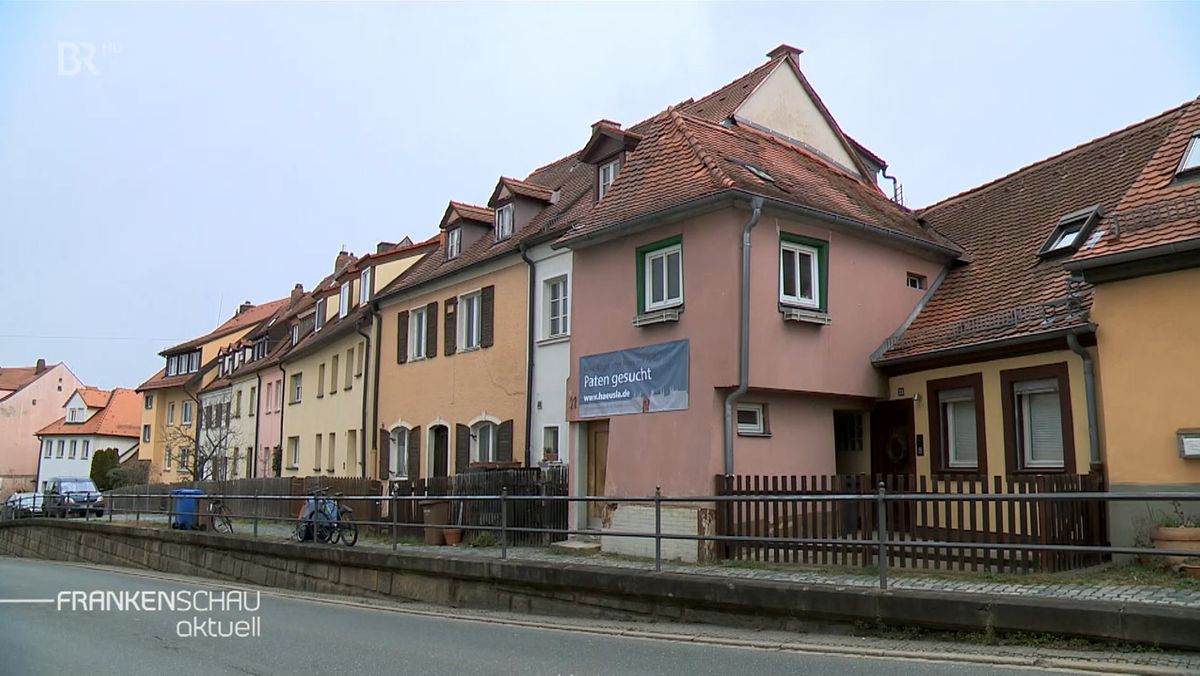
(529,344)
(198,420)
(375,322)
(257,417)
(363,437)
(744,336)
(1089,387)
(282,408)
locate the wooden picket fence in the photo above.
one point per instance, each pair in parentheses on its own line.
(156,497)
(949,515)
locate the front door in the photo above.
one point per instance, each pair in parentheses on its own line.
(597,463)
(441,451)
(893,444)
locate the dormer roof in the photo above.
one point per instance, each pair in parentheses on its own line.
(461,211)
(607,137)
(507,188)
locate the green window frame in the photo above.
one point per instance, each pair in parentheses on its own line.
(821,249)
(642,254)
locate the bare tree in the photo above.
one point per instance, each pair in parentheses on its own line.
(203,452)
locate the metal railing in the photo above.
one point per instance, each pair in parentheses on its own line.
(883,543)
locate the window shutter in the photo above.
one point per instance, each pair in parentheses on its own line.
(431,330)
(414,453)
(504,441)
(1045,427)
(964,440)
(385,454)
(487,313)
(451,309)
(402,337)
(462,448)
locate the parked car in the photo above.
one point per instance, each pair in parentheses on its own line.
(21,505)
(72,496)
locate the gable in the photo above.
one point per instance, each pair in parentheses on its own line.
(781,104)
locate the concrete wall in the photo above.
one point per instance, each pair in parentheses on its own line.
(28,410)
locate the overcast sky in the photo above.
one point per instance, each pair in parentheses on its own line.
(223,152)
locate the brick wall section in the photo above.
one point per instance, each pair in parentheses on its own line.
(577,590)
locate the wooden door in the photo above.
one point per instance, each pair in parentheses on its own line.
(893,442)
(441,451)
(597,463)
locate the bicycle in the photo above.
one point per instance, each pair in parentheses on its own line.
(345,531)
(318,518)
(222,521)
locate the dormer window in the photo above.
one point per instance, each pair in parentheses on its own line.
(608,173)
(295,334)
(1191,156)
(364,286)
(453,243)
(172,365)
(320,315)
(344,300)
(1070,231)
(504,222)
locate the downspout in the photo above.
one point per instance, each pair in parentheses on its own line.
(257,414)
(375,322)
(363,437)
(199,420)
(743,337)
(282,408)
(1089,388)
(529,344)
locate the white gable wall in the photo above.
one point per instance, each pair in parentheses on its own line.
(782,105)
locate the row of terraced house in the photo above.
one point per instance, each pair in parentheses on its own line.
(725,289)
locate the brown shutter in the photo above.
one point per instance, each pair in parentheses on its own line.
(450,307)
(487,314)
(504,441)
(431,330)
(414,453)
(385,454)
(402,337)
(462,448)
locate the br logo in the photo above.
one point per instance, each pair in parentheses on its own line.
(76,57)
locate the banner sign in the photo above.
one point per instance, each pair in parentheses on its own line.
(637,380)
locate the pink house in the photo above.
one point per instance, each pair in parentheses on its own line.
(834,267)
(31,397)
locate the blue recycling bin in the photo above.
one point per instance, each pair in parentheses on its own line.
(185,508)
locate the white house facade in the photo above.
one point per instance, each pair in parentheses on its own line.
(95,420)
(551,335)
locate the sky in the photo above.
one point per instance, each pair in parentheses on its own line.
(208,154)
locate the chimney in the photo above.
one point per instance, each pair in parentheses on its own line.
(41,366)
(245,306)
(605,123)
(343,259)
(297,293)
(384,247)
(791,52)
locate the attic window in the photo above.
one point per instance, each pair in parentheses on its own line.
(759,173)
(1071,230)
(1191,156)
(453,243)
(504,222)
(608,173)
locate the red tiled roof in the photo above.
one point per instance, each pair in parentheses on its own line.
(1158,209)
(522,188)
(16,377)
(121,416)
(94,397)
(1003,225)
(469,212)
(241,320)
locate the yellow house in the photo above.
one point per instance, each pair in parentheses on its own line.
(329,373)
(1144,260)
(171,399)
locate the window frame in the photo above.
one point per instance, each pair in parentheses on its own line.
(819,251)
(861,430)
(939,448)
(504,221)
(1014,450)
(1085,218)
(416,346)
(916,281)
(397,466)
(602,188)
(293,452)
(546,445)
(760,429)
(319,315)
(344,299)
(1192,149)
(469,316)
(453,243)
(564,304)
(296,388)
(186,415)
(364,286)
(477,435)
(645,253)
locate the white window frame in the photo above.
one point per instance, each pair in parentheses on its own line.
(607,174)
(74,449)
(1191,156)
(319,316)
(167,460)
(398,438)
(173,365)
(1067,235)
(296,388)
(185,418)
(563,314)
(470,314)
(171,413)
(946,418)
(344,300)
(1023,413)
(504,222)
(47,448)
(453,242)
(648,265)
(549,433)
(293,451)
(814,254)
(484,429)
(194,362)
(364,286)
(86,449)
(756,429)
(418,330)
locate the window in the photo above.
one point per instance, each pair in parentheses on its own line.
(293,452)
(237,404)
(149,402)
(468,322)
(848,429)
(172,366)
(483,442)
(802,272)
(183,459)
(608,173)
(253,404)
(171,413)
(297,388)
(504,222)
(329,462)
(317,445)
(1070,231)
(915,281)
(661,268)
(958,427)
(270,397)
(349,382)
(319,317)
(187,413)
(145,437)
(74,448)
(47,448)
(1039,421)
(208,416)
(398,458)
(193,362)
(558,309)
(453,242)
(321,380)
(1191,156)
(167,460)
(416,334)
(86,449)
(359,361)
(550,443)
(333,374)
(344,300)
(752,419)
(295,334)
(364,286)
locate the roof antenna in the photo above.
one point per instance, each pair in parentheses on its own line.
(220,302)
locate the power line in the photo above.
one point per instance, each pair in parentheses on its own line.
(129,338)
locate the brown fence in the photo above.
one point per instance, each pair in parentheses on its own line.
(952,513)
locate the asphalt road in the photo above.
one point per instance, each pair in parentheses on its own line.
(314,636)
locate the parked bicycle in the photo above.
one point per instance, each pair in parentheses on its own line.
(222,518)
(346,531)
(318,518)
